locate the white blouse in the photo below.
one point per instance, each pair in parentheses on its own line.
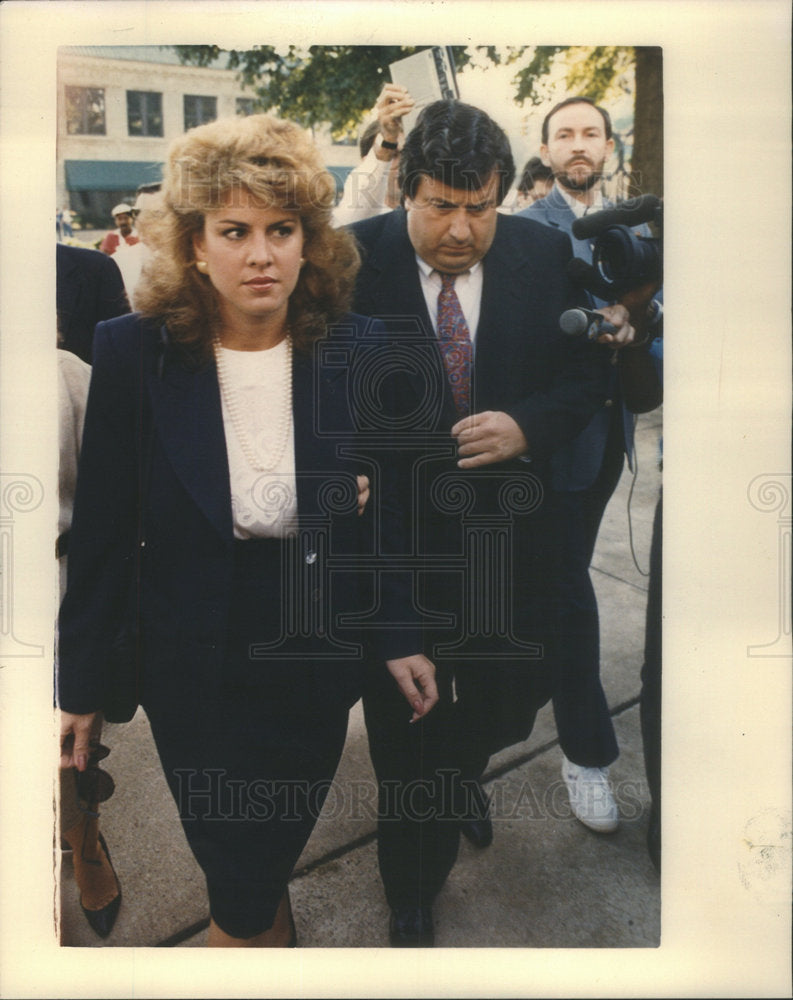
(256,396)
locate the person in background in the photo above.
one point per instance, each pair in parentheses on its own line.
(124,245)
(89,288)
(123,233)
(63,223)
(79,796)
(651,673)
(214,488)
(576,143)
(535,182)
(147,202)
(373,186)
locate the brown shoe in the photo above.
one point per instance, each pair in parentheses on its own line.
(100,889)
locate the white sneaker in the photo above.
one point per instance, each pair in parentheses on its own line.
(590,796)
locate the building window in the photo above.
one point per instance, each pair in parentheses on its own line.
(144,112)
(246,106)
(199,110)
(85,111)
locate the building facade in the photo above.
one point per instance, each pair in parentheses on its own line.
(119,107)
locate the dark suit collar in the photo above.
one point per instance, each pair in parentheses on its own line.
(319,407)
(393,251)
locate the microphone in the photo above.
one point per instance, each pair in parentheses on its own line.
(629,213)
(575,322)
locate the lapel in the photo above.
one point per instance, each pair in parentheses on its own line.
(317,396)
(556,211)
(396,287)
(502,316)
(187,419)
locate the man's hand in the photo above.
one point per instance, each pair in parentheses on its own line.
(75,739)
(415,677)
(392,105)
(488,437)
(619,317)
(363,493)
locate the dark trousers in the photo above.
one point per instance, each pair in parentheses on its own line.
(583,721)
(417,837)
(428,771)
(650,703)
(492,675)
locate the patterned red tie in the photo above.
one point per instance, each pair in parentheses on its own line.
(455,343)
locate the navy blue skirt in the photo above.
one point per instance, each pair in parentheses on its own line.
(250,760)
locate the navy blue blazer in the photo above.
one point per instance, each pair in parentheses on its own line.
(89,289)
(577,465)
(153,417)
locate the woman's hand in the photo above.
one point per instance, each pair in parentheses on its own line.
(75,739)
(363,493)
(415,677)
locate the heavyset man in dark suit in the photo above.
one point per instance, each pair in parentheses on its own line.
(482,417)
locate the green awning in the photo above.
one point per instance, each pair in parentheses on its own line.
(126,175)
(110,175)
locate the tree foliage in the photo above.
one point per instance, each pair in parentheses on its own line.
(334,84)
(339,84)
(603,73)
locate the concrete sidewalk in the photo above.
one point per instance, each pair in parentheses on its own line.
(546,881)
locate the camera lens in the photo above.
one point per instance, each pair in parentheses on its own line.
(624,259)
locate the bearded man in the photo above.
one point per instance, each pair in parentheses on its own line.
(576,143)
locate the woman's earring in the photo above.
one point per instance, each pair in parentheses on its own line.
(302,261)
(202,266)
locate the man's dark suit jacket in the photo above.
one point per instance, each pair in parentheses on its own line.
(550,383)
(89,289)
(152,416)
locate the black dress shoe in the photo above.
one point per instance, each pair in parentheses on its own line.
(411,927)
(475,823)
(102,921)
(478,831)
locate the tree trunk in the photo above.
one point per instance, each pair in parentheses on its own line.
(647,164)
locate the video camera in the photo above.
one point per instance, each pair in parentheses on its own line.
(622,260)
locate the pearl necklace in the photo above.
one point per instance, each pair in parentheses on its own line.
(231,399)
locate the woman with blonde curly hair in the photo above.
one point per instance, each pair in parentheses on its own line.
(212,497)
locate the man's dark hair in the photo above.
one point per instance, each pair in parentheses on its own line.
(575,100)
(458,145)
(535,170)
(368,137)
